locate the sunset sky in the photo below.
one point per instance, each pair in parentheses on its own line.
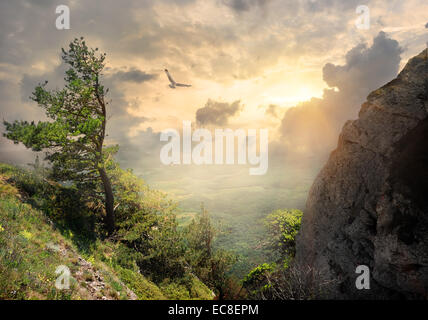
(298,68)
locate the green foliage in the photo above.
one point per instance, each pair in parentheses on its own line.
(175,291)
(63,204)
(258,273)
(211,266)
(256,281)
(74,138)
(283,226)
(28,183)
(153,263)
(143,288)
(200,235)
(75,135)
(164,250)
(264,281)
(198,290)
(187,288)
(219,277)
(27,269)
(146,222)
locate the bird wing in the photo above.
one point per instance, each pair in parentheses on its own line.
(183,85)
(170,78)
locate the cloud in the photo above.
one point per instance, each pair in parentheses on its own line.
(55,80)
(133,75)
(310,129)
(323,5)
(217,113)
(272,110)
(140,152)
(365,68)
(244,5)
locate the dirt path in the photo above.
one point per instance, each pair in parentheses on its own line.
(90,280)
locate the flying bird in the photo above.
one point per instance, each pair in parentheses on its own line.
(174,84)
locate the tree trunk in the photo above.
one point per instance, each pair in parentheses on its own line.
(109,203)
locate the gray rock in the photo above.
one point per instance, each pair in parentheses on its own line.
(369,204)
(50,246)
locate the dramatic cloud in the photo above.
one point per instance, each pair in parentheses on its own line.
(365,68)
(310,130)
(217,113)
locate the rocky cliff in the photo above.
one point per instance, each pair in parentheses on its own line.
(369,204)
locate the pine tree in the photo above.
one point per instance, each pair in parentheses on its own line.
(74,139)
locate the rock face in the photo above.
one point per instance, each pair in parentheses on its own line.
(369,204)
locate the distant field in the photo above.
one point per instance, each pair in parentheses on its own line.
(236,202)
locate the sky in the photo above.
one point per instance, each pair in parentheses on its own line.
(300,69)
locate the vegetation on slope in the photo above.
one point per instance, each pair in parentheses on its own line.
(42,226)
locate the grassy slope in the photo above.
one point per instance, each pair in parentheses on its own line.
(31,249)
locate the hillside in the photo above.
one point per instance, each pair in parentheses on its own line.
(34,241)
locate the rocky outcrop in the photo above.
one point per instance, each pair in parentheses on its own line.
(369,204)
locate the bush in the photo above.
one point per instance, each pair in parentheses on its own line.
(283,226)
(256,282)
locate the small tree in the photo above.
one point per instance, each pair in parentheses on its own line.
(283,227)
(200,234)
(74,140)
(211,266)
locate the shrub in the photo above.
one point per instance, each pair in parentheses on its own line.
(298,282)
(283,226)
